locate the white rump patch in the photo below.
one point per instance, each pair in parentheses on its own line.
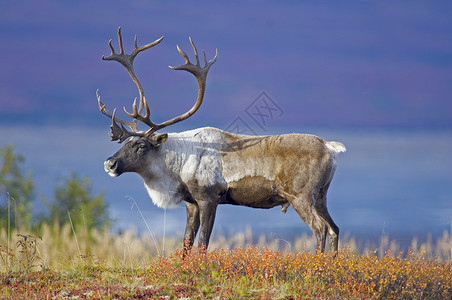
(336,147)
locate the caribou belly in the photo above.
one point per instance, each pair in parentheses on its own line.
(254,191)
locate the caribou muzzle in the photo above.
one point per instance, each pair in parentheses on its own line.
(112,167)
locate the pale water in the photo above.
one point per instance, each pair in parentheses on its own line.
(398,182)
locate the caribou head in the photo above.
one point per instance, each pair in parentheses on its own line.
(132,157)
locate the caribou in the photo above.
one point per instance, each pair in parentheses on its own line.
(206,167)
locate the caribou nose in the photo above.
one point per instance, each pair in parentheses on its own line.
(111,166)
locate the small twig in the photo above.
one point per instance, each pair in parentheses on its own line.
(145,222)
(73,231)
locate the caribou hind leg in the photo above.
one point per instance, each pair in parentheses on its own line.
(302,204)
(331,227)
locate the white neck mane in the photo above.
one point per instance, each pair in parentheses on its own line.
(184,157)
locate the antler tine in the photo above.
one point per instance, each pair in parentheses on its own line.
(121,49)
(142,48)
(111,48)
(103,109)
(213,60)
(187,60)
(194,50)
(120,133)
(137,116)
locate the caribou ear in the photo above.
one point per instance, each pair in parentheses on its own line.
(158,139)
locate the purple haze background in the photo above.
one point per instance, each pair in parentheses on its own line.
(374,75)
(328,64)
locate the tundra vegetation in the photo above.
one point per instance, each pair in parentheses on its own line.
(53,256)
(70,251)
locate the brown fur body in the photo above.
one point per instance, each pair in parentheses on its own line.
(206,167)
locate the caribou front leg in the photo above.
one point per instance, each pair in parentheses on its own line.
(192,225)
(207,211)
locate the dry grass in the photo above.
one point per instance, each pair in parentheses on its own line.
(61,264)
(58,248)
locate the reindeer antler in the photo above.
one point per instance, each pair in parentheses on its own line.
(201,76)
(120,132)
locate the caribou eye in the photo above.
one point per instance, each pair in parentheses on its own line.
(141,147)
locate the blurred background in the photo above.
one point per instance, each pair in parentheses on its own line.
(376,76)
